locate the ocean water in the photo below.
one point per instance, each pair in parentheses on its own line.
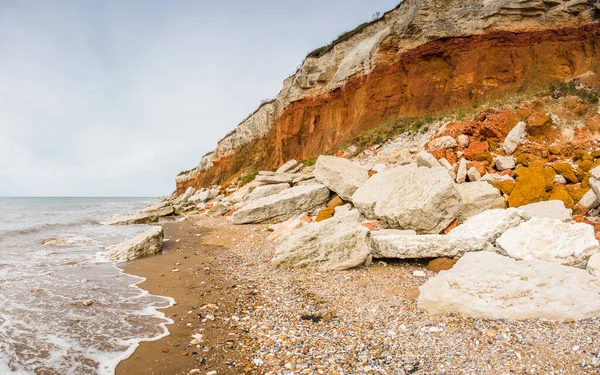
(50,265)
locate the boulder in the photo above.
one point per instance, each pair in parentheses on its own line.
(478,197)
(406,246)
(137,218)
(425,159)
(505,162)
(513,139)
(550,209)
(265,191)
(336,244)
(201,196)
(219,209)
(532,184)
(441,264)
(144,244)
(492,178)
(551,240)
(282,178)
(282,206)
(287,167)
(491,286)
(593,266)
(157,206)
(566,170)
(340,175)
(409,197)
(490,224)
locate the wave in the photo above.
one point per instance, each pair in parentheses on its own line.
(42,227)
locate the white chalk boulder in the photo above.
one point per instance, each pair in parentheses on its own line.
(490,224)
(407,246)
(282,206)
(478,197)
(551,240)
(492,286)
(549,209)
(339,243)
(340,175)
(144,244)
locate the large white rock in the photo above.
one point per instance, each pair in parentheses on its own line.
(265,191)
(144,244)
(339,243)
(422,199)
(136,218)
(478,197)
(201,196)
(283,206)
(442,142)
(406,246)
(492,178)
(550,209)
(492,286)
(340,175)
(490,224)
(280,178)
(377,187)
(425,159)
(551,240)
(513,139)
(593,266)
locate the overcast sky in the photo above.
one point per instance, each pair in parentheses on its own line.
(114,98)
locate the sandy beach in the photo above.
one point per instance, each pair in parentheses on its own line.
(363,321)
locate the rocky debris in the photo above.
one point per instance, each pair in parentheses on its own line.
(406,246)
(566,170)
(282,206)
(478,197)
(340,175)
(505,162)
(422,199)
(265,191)
(158,206)
(492,286)
(203,196)
(548,209)
(593,266)
(288,226)
(183,198)
(308,177)
(490,224)
(473,174)
(340,210)
(513,139)
(324,214)
(442,143)
(595,180)
(337,244)
(425,159)
(461,175)
(135,218)
(287,167)
(551,240)
(463,140)
(160,212)
(144,244)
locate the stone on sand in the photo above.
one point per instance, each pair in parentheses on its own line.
(492,286)
(490,224)
(478,197)
(340,175)
(144,244)
(336,244)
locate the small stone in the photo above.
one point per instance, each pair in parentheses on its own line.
(505,162)
(473,174)
(463,140)
(441,264)
(175,270)
(419,274)
(211,373)
(88,302)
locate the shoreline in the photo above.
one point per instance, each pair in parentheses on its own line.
(190,251)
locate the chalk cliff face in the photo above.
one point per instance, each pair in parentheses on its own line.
(423,57)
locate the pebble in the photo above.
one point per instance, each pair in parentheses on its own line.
(211,373)
(419,274)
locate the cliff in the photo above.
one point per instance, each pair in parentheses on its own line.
(423,57)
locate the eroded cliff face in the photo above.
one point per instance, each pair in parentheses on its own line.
(424,57)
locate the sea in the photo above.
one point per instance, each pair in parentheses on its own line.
(50,265)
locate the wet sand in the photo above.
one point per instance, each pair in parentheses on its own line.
(202,290)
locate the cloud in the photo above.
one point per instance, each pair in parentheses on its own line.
(115,98)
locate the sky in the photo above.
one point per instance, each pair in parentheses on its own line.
(115,98)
